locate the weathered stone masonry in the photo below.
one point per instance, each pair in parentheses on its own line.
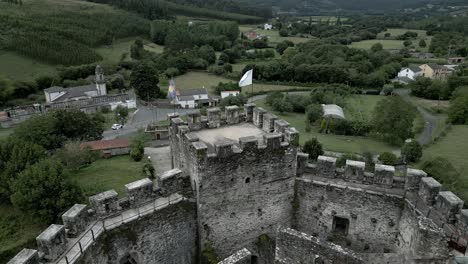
(240,186)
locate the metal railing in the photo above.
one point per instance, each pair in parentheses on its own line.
(93,232)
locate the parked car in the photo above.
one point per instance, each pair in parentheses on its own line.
(116,126)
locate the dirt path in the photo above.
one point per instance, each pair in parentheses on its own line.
(430,120)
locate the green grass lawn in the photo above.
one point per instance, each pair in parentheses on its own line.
(18,67)
(5,132)
(203,79)
(394,32)
(453,147)
(17,230)
(121,48)
(360,107)
(106,174)
(386,43)
(330,142)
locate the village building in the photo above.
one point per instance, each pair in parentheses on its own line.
(435,71)
(268,27)
(422,55)
(194,98)
(60,94)
(225,94)
(456,60)
(410,72)
(109,148)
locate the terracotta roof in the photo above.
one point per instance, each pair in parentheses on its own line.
(107,144)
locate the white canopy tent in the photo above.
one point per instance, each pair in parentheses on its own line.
(333,111)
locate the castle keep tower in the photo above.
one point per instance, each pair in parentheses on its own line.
(100,81)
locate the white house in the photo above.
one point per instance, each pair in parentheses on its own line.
(225,94)
(194,98)
(268,27)
(410,72)
(60,94)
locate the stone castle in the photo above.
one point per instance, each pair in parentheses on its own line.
(242,192)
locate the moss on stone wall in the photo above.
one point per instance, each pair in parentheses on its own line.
(208,254)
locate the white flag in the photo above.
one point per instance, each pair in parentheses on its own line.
(246,79)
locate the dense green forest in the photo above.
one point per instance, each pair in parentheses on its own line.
(59,32)
(157,9)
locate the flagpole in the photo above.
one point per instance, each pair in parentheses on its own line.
(251,96)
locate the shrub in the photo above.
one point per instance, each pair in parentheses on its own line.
(412,151)
(314,112)
(137,151)
(73,156)
(314,148)
(45,190)
(388,158)
(171,72)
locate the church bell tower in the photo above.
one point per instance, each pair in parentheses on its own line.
(100,81)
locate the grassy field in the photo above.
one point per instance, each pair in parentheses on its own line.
(360,107)
(400,31)
(273,35)
(386,43)
(452,147)
(391,42)
(5,132)
(121,48)
(106,174)
(202,79)
(18,67)
(17,230)
(330,142)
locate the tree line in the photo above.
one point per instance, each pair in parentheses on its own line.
(160,9)
(327,61)
(65,37)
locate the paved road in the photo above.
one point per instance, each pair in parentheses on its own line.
(430,120)
(142,117)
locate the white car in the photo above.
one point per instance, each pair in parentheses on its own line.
(116,126)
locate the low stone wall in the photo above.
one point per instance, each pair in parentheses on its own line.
(168,236)
(294,247)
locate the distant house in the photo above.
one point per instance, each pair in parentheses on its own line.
(109,148)
(435,71)
(410,72)
(194,98)
(422,55)
(252,34)
(268,27)
(59,94)
(456,60)
(225,94)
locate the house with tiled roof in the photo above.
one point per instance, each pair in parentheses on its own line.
(435,71)
(109,148)
(58,94)
(195,98)
(410,72)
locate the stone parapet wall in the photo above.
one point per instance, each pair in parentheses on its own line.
(83,225)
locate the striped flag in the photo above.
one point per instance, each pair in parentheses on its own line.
(171,93)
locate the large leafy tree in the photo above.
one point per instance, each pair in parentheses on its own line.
(15,156)
(144,79)
(53,129)
(393,119)
(458,111)
(45,190)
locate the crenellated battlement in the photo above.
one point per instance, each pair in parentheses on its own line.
(276,136)
(423,194)
(83,224)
